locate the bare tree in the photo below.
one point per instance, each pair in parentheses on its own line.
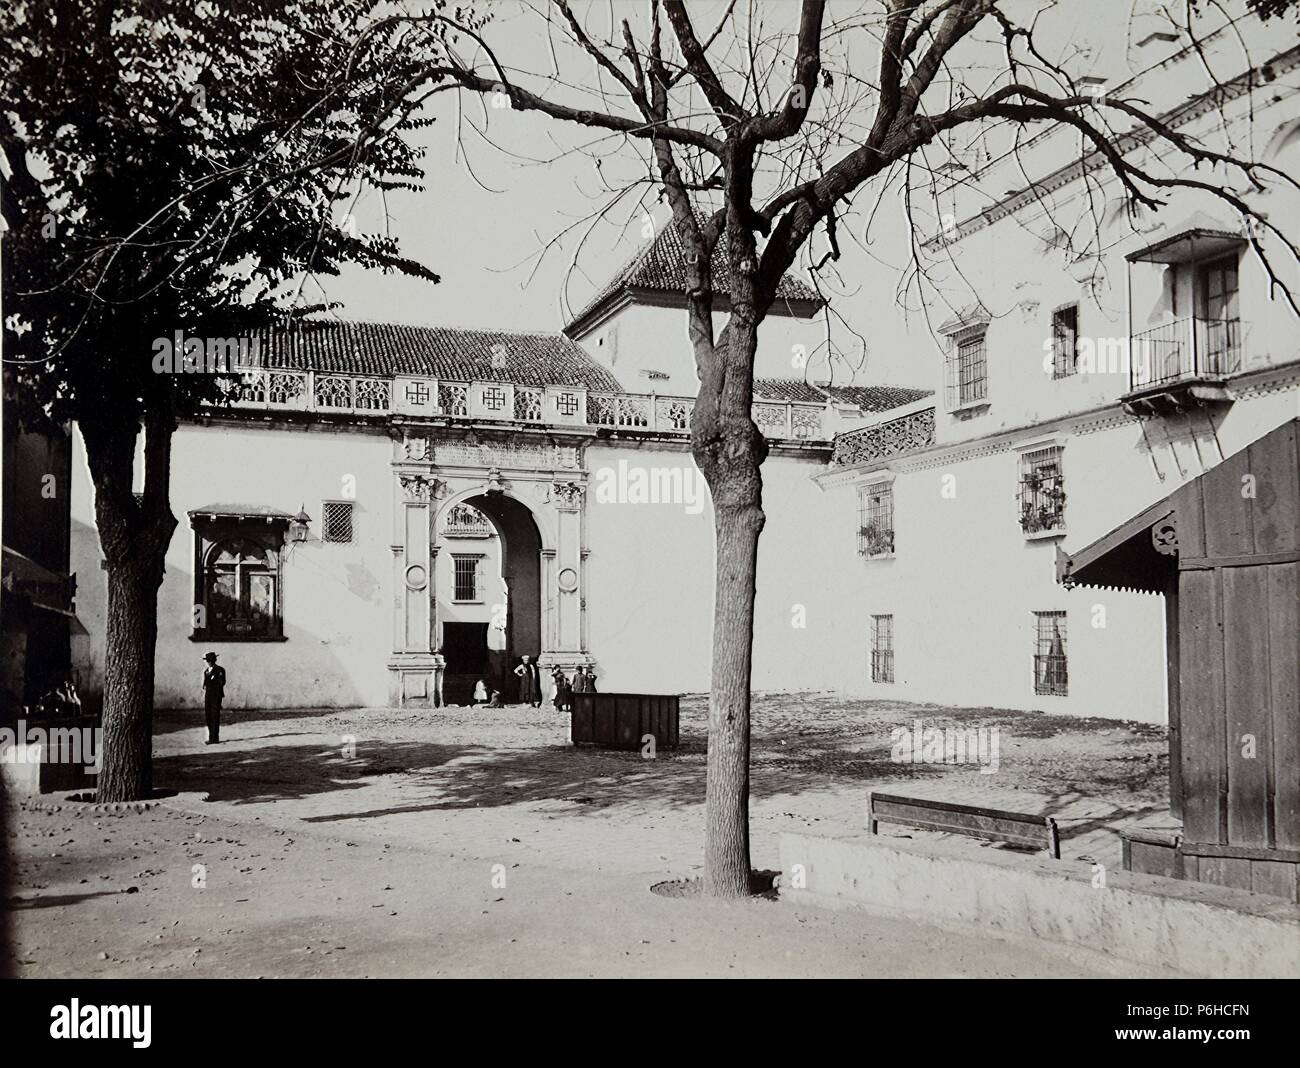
(759,135)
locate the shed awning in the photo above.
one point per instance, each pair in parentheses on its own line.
(240,511)
(1124,559)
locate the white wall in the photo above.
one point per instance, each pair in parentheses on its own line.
(338,616)
(965,581)
(650,582)
(642,337)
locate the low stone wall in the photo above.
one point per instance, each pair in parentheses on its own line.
(1194,928)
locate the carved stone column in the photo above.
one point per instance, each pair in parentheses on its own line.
(415,668)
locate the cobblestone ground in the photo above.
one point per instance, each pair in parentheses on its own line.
(344,795)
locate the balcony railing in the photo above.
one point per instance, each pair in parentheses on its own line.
(1187,348)
(275,389)
(912,431)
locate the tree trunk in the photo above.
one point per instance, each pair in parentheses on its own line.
(134,536)
(726,843)
(126,768)
(730,449)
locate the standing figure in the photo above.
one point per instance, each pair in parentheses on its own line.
(480,693)
(530,683)
(214,689)
(580,682)
(563,691)
(589,679)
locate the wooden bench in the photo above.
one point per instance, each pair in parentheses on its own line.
(997,825)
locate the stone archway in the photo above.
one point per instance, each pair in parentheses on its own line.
(534,495)
(510,606)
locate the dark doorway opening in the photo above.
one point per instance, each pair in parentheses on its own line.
(465,647)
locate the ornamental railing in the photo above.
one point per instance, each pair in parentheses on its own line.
(273,389)
(912,431)
(1192,347)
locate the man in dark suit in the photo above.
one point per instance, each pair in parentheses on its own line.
(214,689)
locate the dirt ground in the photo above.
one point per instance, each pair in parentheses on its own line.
(460,842)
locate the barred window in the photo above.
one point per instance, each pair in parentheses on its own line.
(882,648)
(336,521)
(876,521)
(1051,675)
(1065,336)
(967,370)
(1042,491)
(466,577)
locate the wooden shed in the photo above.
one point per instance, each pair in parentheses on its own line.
(1224,551)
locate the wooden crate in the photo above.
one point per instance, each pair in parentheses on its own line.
(624,720)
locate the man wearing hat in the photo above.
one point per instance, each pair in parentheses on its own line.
(214,688)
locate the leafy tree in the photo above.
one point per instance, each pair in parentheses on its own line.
(171,166)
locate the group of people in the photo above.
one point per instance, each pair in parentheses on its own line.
(530,686)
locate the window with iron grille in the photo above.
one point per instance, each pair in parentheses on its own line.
(882,648)
(1042,491)
(336,521)
(967,370)
(1065,337)
(466,577)
(876,521)
(1051,675)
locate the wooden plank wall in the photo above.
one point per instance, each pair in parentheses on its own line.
(1239,670)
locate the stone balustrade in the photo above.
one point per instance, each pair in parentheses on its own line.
(277,389)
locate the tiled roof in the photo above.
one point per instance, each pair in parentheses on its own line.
(868,398)
(456,355)
(661,267)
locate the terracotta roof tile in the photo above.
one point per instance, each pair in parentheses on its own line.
(661,267)
(453,354)
(868,398)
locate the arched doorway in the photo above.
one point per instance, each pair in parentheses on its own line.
(490,602)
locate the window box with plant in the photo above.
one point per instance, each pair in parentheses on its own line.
(1042,493)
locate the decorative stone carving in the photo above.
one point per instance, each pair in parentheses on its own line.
(494,484)
(567,494)
(904,434)
(416,448)
(506,454)
(419,487)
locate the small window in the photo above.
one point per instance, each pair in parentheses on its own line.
(882,648)
(968,382)
(466,577)
(1042,492)
(1065,337)
(336,521)
(876,521)
(1051,675)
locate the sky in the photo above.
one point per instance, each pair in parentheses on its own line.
(490,210)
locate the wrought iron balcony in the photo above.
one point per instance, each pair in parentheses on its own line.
(1173,363)
(274,389)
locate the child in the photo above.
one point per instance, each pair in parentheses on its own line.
(480,692)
